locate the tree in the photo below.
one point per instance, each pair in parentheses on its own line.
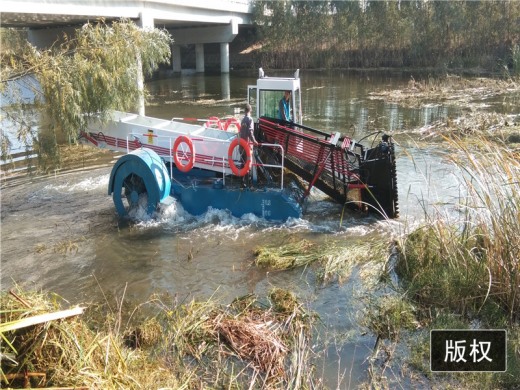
(373,33)
(91,73)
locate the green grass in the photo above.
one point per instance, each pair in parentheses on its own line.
(438,268)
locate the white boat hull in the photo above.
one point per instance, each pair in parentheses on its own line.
(126,132)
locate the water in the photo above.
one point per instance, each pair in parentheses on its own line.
(60,232)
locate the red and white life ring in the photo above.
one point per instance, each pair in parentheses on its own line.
(214,123)
(190,156)
(247,164)
(232,122)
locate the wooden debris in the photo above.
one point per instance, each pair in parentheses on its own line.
(39,319)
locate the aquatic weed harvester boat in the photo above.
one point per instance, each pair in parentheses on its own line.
(207,165)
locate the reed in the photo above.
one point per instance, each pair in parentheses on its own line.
(461,265)
(438,270)
(515,57)
(492,216)
(459,270)
(373,34)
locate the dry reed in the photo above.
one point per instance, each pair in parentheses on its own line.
(492,216)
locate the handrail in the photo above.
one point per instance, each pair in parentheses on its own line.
(275,166)
(225,163)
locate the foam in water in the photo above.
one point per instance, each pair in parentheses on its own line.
(87,184)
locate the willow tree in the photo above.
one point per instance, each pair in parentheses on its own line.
(92,72)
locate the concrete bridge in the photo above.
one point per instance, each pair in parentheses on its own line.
(195,22)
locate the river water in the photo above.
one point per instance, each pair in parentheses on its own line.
(60,232)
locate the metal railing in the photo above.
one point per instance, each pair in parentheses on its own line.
(213,162)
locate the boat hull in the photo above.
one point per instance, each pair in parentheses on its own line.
(140,180)
(270,204)
(126,132)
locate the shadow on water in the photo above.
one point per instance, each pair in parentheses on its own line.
(60,232)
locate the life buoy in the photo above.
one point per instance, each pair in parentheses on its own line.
(232,122)
(214,122)
(191,156)
(247,164)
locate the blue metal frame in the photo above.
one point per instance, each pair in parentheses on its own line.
(198,191)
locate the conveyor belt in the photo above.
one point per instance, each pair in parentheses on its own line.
(341,168)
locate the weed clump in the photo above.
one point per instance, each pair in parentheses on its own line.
(438,268)
(69,352)
(387,316)
(199,344)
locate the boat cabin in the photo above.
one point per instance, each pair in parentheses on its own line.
(265,96)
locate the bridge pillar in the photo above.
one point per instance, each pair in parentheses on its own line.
(226,90)
(222,34)
(199,57)
(224,57)
(146,20)
(176,58)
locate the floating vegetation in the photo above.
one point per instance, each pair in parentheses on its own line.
(66,246)
(469,93)
(338,262)
(452,89)
(255,340)
(295,253)
(335,262)
(284,301)
(247,344)
(475,125)
(263,339)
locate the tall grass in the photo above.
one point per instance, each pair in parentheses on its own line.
(493,217)
(464,265)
